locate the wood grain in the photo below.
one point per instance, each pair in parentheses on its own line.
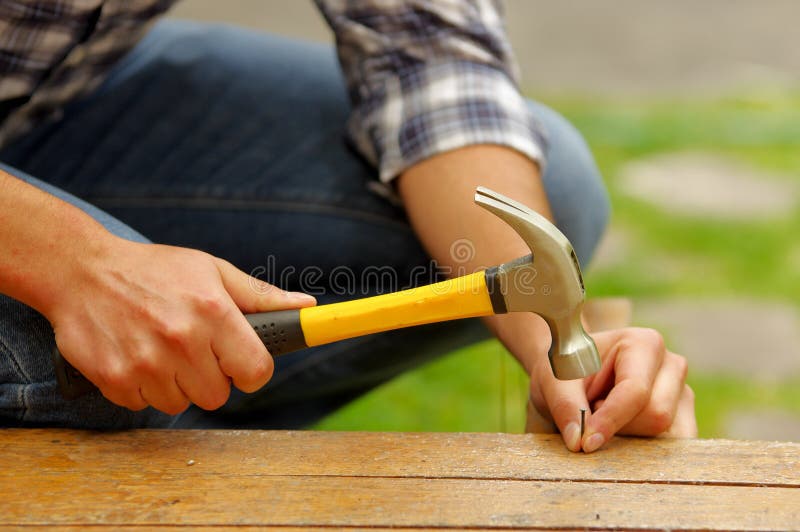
(308,479)
(222,528)
(427,455)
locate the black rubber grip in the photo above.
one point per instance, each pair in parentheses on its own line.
(495,291)
(71,382)
(280,331)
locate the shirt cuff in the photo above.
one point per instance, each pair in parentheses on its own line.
(434,108)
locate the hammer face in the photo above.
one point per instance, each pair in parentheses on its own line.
(548,283)
(573,354)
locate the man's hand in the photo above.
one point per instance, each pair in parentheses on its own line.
(163,326)
(148,324)
(640,390)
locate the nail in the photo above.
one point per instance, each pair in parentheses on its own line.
(594,442)
(572,436)
(583,421)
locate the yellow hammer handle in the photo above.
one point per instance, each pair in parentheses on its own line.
(285,331)
(462,297)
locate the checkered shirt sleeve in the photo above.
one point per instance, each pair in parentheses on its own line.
(55,51)
(425,77)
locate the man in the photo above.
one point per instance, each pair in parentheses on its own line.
(213,138)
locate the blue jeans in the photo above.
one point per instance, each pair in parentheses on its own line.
(231,142)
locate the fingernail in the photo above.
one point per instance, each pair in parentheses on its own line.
(300,296)
(572,436)
(593,442)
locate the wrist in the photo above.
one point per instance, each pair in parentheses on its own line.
(81,249)
(525,334)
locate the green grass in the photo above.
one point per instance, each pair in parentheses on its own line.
(477,389)
(482,389)
(719,395)
(735,258)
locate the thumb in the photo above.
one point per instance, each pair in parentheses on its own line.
(564,399)
(254,295)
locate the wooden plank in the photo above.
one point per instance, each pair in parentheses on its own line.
(432,455)
(151,498)
(220,528)
(315,479)
(207,528)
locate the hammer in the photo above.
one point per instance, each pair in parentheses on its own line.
(547,282)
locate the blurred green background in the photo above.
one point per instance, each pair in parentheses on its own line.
(641,80)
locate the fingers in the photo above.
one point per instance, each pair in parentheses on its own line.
(637,356)
(240,354)
(93,360)
(165,371)
(120,394)
(639,390)
(253,295)
(685,423)
(564,400)
(659,414)
(165,396)
(204,382)
(140,382)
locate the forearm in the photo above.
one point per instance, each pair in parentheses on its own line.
(438,195)
(43,241)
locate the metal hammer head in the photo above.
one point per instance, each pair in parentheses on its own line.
(548,282)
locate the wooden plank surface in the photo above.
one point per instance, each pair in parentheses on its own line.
(307,479)
(386,454)
(367,502)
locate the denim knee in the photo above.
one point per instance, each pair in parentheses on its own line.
(574,186)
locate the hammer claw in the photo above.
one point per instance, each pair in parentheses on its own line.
(483,192)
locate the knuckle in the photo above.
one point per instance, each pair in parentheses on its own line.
(263,368)
(212,305)
(146,364)
(215,393)
(120,388)
(217,398)
(537,400)
(114,376)
(177,332)
(69,340)
(651,337)
(682,365)
(660,420)
(259,373)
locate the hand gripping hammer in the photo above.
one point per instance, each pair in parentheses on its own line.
(547,282)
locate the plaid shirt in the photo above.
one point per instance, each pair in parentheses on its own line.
(54,51)
(424,77)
